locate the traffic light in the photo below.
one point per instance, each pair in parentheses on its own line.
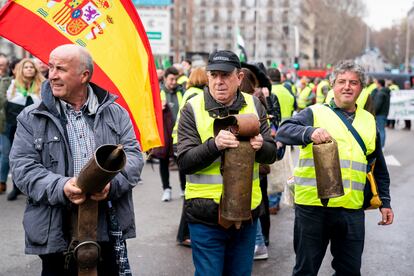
(296,63)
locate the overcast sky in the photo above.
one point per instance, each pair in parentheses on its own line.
(381,13)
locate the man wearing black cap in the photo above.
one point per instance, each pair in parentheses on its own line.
(217,250)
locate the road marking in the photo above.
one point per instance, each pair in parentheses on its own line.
(392,161)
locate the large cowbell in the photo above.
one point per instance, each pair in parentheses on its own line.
(237,169)
(328,171)
(106,163)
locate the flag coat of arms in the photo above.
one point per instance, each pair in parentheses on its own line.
(114,35)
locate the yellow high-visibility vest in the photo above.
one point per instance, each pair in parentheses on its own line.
(182,79)
(394,87)
(179,96)
(320,97)
(304,97)
(191,92)
(208,182)
(352,159)
(286,100)
(329,96)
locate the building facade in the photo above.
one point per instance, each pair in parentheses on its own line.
(274,31)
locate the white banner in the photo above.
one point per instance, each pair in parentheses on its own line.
(157,26)
(402,105)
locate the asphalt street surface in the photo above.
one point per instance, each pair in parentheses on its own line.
(388,250)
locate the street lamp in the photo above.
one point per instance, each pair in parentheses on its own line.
(407,44)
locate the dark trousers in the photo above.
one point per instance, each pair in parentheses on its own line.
(165,175)
(407,124)
(316,226)
(182,180)
(183,230)
(265,217)
(54,264)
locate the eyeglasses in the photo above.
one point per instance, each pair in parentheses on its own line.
(343,82)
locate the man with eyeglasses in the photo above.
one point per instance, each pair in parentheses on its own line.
(217,250)
(341,220)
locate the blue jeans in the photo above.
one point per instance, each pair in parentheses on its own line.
(4,157)
(381,121)
(219,251)
(259,235)
(274,199)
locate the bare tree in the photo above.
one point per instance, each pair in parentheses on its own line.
(391,42)
(339,29)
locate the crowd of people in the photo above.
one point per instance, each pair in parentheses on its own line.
(52,118)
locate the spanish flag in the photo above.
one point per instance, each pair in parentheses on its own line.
(114,35)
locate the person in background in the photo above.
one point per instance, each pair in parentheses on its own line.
(23,91)
(4,65)
(263,91)
(160,75)
(217,250)
(381,99)
(195,85)
(4,137)
(341,223)
(187,66)
(322,90)
(250,85)
(392,87)
(171,98)
(43,68)
(182,77)
(54,141)
(407,86)
(287,104)
(306,96)
(289,83)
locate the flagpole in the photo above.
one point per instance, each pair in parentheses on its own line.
(256,33)
(236,29)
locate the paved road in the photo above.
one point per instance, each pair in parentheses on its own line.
(154,251)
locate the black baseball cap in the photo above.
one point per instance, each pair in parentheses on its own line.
(223,60)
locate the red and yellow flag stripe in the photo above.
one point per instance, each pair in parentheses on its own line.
(113,34)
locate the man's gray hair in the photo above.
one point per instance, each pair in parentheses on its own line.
(348,66)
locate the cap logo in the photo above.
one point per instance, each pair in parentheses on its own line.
(221,58)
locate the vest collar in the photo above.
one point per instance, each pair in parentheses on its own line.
(216,109)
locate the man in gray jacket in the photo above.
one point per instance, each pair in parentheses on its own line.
(53,141)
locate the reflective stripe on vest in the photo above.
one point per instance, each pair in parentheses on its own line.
(352,159)
(208,182)
(312,182)
(286,100)
(189,93)
(362,167)
(210,179)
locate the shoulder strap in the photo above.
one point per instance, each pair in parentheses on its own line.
(351,129)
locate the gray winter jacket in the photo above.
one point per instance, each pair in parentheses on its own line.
(41,162)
